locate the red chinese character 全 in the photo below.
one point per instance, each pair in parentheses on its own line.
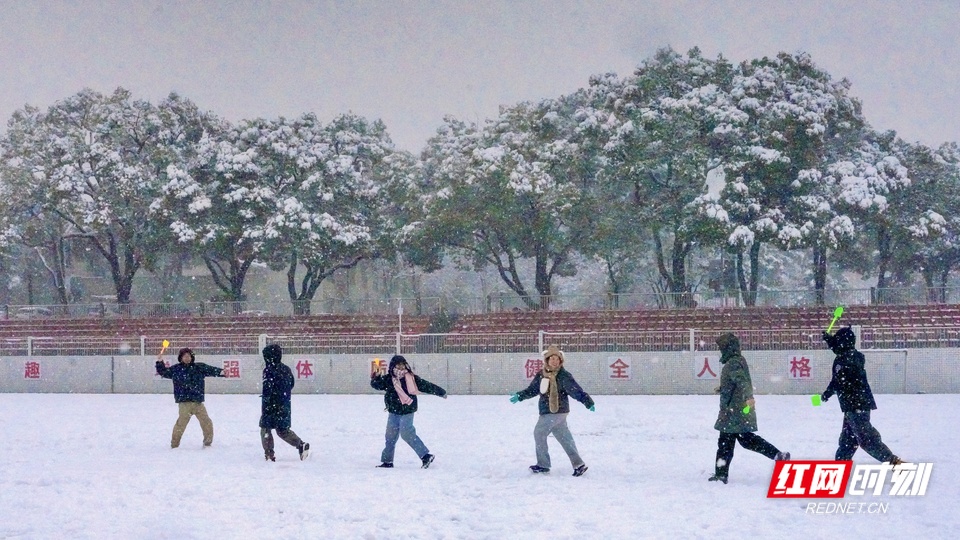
(533,366)
(304,369)
(231,369)
(31,370)
(800,368)
(706,368)
(619,369)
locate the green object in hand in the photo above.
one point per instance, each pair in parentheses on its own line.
(514,398)
(592,408)
(746,410)
(836,315)
(815,399)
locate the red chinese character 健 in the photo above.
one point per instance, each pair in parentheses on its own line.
(533,366)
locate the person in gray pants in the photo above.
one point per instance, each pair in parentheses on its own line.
(554,384)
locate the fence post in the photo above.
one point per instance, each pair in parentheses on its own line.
(29,346)
(262,341)
(143,346)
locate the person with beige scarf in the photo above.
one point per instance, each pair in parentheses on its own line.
(554,384)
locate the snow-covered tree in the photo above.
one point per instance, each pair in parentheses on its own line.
(101,160)
(519,187)
(773,173)
(290,193)
(668,123)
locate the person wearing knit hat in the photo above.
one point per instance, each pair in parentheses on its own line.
(401,387)
(850,384)
(737,419)
(275,408)
(554,384)
(188,391)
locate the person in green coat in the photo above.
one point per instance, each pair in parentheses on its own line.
(737,420)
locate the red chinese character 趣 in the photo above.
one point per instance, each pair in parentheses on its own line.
(800,369)
(533,366)
(304,369)
(619,369)
(31,370)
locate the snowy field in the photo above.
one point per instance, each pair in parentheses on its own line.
(100,466)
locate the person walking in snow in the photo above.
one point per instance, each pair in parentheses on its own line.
(401,386)
(737,420)
(188,391)
(849,383)
(554,384)
(275,408)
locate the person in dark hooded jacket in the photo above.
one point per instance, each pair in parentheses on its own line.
(275,409)
(554,384)
(401,386)
(737,422)
(850,384)
(189,392)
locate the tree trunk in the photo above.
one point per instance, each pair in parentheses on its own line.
(883,262)
(819,272)
(314,275)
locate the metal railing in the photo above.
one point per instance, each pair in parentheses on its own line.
(692,340)
(492,303)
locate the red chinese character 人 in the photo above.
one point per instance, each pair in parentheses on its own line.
(533,366)
(619,369)
(231,369)
(31,370)
(304,369)
(800,369)
(706,368)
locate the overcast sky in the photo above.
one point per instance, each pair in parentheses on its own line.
(410,63)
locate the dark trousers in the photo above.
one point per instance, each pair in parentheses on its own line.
(750,441)
(858,432)
(288,436)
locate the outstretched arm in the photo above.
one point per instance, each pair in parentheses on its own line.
(427,387)
(574,390)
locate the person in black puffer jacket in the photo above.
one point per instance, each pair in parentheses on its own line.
(401,386)
(275,408)
(554,384)
(188,391)
(850,384)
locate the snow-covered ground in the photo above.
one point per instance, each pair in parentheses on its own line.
(100,466)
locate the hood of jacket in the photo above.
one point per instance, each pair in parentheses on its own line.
(729,346)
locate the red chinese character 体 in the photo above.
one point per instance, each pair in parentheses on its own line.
(31,370)
(304,369)
(619,369)
(800,369)
(706,369)
(533,366)
(231,369)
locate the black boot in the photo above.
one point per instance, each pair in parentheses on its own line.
(720,475)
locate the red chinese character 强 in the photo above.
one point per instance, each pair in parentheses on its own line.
(231,369)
